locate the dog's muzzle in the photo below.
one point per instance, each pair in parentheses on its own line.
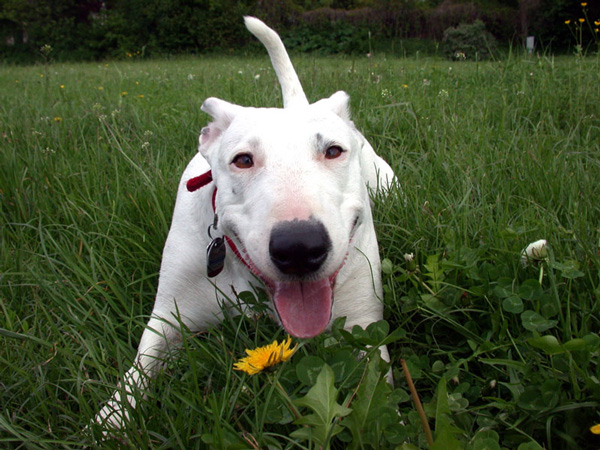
(299,248)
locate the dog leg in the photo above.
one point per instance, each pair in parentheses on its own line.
(157,339)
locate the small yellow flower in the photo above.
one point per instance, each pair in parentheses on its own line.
(124,93)
(58,119)
(597,23)
(62,86)
(405,86)
(584,4)
(581,20)
(262,358)
(567,22)
(141,96)
(100,88)
(595,429)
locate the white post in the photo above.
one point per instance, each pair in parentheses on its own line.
(530,44)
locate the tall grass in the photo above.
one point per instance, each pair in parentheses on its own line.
(490,156)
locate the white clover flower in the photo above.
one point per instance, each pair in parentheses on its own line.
(411,264)
(536,251)
(257,76)
(443,93)
(190,77)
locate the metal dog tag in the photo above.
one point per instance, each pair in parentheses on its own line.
(215,257)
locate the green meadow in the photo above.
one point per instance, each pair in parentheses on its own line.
(490,157)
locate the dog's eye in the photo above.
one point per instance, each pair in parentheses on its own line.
(243,161)
(333,152)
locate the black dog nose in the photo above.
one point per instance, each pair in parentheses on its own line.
(299,247)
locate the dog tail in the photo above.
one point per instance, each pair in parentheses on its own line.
(293,94)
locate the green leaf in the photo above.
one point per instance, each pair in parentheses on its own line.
(513,304)
(308,369)
(343,364)
(533,321)
(532,445)
(485,440)
(568,269)
(435,271)
(530,290)
(547,343)
(321,399)
(363,404)
(406,446)
(575,345)
(444,428)
(386,266)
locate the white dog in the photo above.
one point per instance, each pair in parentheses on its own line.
(276,195)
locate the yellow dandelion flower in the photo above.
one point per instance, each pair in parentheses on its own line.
(124,93)
(581,20)
(584,4)
(405,86)
(262,358)
(597,23)
(567,22)
(62,86)
(141,96)
(595,429)
(100,88)
(58,119)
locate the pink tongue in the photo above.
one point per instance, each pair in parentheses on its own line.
(304,307)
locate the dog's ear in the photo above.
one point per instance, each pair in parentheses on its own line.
(223,114)
(338,103)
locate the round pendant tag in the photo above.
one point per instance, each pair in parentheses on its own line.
(215,257)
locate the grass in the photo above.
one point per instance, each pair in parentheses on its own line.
(490,157)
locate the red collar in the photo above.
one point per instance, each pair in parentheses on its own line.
(193,184)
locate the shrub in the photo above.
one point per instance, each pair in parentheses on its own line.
(469,41)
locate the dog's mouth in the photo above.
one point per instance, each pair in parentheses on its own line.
(304,306)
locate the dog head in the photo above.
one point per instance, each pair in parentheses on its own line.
(292,197)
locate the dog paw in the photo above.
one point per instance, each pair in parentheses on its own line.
(111,417)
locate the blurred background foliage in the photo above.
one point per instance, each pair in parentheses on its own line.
(99,29)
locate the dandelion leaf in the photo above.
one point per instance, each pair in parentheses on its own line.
(445,430)
(374,414)
(321,399)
